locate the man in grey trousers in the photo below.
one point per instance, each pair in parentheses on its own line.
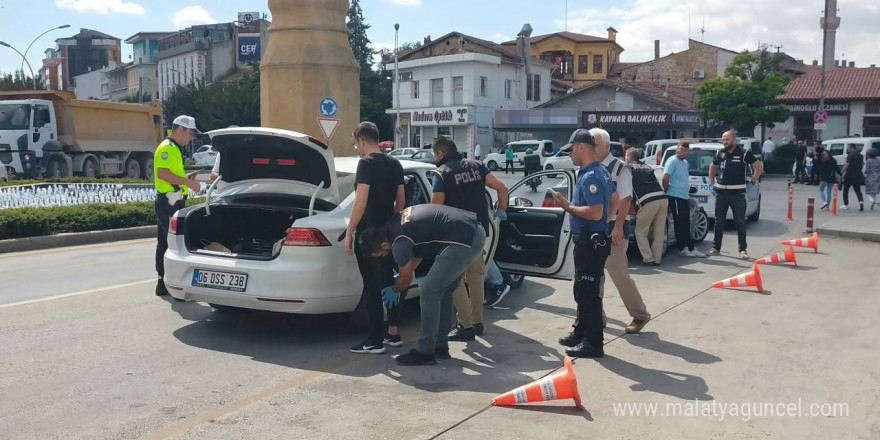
(450,236)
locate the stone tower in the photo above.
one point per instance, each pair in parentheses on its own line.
(307,60)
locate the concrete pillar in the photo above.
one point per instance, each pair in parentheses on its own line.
(307,59)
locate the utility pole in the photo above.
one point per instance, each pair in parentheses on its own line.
(829,23)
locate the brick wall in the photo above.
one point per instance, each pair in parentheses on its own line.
(679,67)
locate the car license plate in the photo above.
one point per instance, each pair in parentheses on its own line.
(219,280)
(702,199)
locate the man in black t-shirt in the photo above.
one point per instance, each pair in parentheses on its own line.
(462,184)
(853,176)
(379,194)
(452,238)
(800,160)
(730,167)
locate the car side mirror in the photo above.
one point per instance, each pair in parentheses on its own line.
(520,202)
(693,190)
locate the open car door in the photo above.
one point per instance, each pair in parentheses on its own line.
(536,238)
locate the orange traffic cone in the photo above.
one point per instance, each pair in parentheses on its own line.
(809,242)
(748,279)
(562,385)
(782,257)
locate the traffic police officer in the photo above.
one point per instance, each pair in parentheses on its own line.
(172,186)
(731,188)
(589,225)
(461,184)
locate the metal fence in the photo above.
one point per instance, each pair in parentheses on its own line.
(67,194)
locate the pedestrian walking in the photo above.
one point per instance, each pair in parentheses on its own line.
(676,182)
(872,176)
(451,237)
(800,160)
(617,264)
(508,160)
(768,147)
(379,194)
(589,210)
(727,176)
(172,184)
(853,176)
(462,184)
(653,209)
(827,177)
(816,171)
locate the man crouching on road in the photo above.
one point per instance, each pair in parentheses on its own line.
(453,238)
(589,211)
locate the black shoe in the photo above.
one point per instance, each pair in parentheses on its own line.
(393,340)
(460,333)
(585,350)
(442,353)
(571,339)
(160,288)
(368,347)
(414,358)
(478,329)
(496,295)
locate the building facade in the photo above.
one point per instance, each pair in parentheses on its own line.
(94,85)
(198,54)
(452,86)
(852,101)
(578,59)
(700,62)
(87,51)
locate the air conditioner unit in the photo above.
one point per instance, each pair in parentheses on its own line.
(699,74)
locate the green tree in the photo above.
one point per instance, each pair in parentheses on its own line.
(218,105)
(743,98)
(134,98)
(375,86)
(358,40)
(10,82)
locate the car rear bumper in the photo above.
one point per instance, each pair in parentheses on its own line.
(311,286)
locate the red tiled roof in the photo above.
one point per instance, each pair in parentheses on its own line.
(841,83)
(571,36)
(678,97)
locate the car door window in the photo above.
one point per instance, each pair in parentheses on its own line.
(836,149)
(414,190)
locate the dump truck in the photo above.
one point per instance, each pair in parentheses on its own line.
(50,133)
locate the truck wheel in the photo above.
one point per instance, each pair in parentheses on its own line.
(132,169)
(90,168)
(147,168)
(55,168)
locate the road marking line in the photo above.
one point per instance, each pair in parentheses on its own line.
(230,408)
(81,292)
(78,247)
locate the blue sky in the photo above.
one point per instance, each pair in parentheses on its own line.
(736,26)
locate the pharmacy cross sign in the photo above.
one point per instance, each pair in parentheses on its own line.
(820,117)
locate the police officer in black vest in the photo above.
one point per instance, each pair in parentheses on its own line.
(588,211)
(730,166)
(461,184)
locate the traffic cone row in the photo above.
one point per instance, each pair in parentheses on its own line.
(753,277)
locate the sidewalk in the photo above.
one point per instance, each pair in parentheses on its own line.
(850,223)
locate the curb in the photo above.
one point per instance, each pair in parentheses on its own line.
(850,233)
(76,239)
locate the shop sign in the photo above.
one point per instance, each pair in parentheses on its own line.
(441,116)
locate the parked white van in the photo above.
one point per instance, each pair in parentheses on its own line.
(496,161)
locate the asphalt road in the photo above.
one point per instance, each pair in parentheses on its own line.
(88,352)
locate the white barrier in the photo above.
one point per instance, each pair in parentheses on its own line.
(67,194)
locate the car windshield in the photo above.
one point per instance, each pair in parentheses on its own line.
(699,160)
(15,116)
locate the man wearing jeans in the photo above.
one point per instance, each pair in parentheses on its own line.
(730,166)
(676,182)
(452,238)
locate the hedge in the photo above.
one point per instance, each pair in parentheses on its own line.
(33,222)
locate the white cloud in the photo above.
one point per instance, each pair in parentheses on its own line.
(102,7)
(795,27)
(500,38)
(407,2)
(191,15)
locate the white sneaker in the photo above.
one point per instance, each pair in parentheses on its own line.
(697,254)
(843,207)
(687,253)
(713,251)
(743,255)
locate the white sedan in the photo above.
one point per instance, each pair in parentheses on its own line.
(205,156)
(402,153)
(272,239)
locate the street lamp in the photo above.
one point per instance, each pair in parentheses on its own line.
(396,88)
(63,26)
(3,43)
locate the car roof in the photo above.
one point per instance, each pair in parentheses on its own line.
(854,140)
(700,145)
(349,164)
(528,141)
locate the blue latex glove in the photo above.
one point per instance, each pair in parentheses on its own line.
(714,191)
(749,187)
(501,215)
(389,297)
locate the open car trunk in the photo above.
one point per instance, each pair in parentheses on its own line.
(240,231)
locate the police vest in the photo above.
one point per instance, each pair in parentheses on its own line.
(464,187)
(168,156)
(646,187)
(732,167)
(614,168)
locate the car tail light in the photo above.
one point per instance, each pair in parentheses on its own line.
(172,225)
(305,237)
(659,152)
